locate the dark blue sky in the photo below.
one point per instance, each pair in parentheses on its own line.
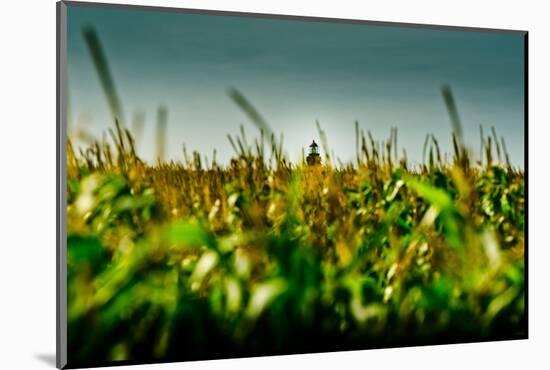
(295,72)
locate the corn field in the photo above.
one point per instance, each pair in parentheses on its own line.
(196,260)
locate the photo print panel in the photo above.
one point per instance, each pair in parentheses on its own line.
(235,185)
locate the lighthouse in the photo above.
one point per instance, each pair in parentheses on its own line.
(313,157)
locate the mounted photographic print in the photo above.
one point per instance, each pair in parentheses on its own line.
(235,185)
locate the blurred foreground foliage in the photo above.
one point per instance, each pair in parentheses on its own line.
(195,260)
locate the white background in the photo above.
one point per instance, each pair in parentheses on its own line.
(27,182)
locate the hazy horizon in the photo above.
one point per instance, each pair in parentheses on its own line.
(294,73)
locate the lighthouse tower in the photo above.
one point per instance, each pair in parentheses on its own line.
(313,157)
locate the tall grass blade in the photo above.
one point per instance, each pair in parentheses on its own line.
(256,118)
(453,113)
(162,118)
(102,67)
